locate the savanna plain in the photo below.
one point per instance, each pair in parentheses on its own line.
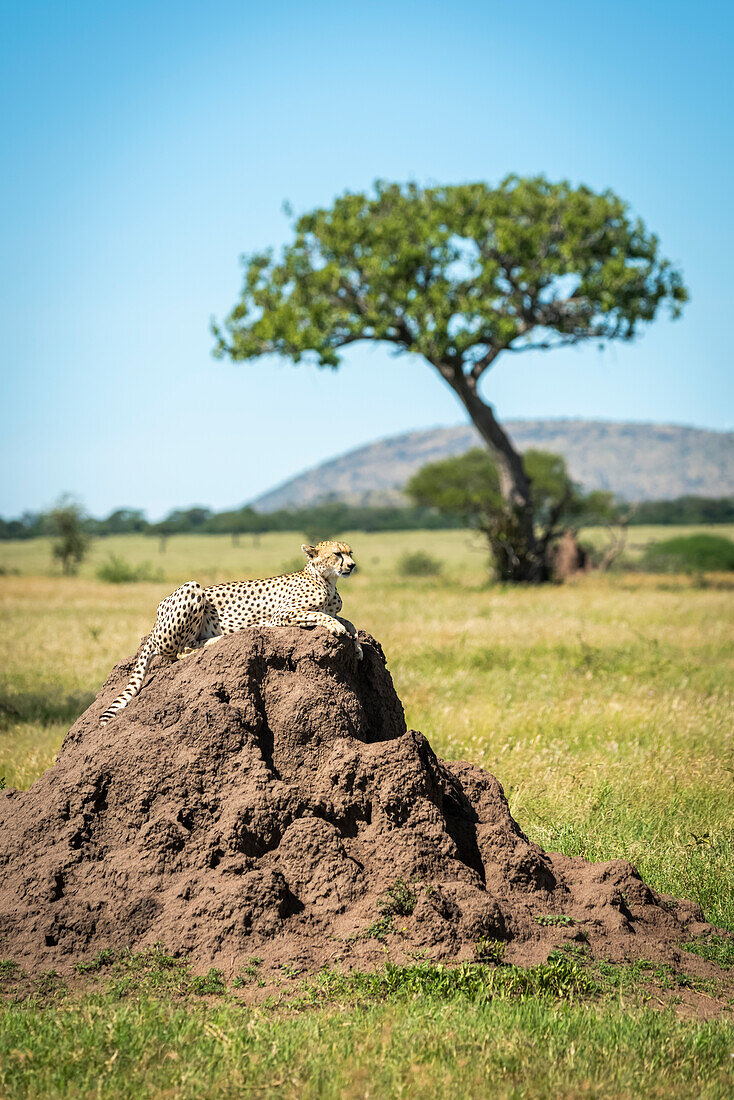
(604,707)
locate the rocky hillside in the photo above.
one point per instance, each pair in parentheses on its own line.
(635,461)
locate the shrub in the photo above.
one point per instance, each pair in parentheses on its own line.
(211,982)
(118,571)
(690,554)
(488,950)
(419,564)
(399,900)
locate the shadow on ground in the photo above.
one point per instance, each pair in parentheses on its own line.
(47,706)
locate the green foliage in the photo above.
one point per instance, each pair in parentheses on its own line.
(559,977)
(330,517)
(209,983)
(690,554)
(152,971)
(249,973)
(458,274)
(418,1046)
(101,959)
(453,273)
(67,523)
(30,525)
(581,952)
(488,950)
(399,901)
(123,521)
(418,563)
(115,570)
(468,486)
(684,510)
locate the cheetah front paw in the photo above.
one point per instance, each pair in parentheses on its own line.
(184,653)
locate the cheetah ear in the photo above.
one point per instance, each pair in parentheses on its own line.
(309,551)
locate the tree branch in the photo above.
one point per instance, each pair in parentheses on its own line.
(546,345)
(483,363)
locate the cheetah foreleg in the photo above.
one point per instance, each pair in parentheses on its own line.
(307,618)
(351,629)
(331,623)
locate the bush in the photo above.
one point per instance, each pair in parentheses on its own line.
(118,571)
(690,554)
(419,564)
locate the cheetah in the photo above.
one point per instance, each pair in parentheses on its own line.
(193,617)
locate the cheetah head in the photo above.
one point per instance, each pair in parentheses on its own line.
(330,558)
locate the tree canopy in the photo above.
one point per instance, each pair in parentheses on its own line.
(458,274)
(455,273)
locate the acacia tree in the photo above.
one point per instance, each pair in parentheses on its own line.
(459,275)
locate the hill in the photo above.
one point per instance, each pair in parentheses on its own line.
(636,461)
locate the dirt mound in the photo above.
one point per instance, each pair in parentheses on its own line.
(263,797)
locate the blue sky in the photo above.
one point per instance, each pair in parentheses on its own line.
(146,146)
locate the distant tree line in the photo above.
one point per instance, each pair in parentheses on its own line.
(319,520)
(684,510)
(333,516)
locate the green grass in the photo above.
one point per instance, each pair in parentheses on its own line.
(211,558)
(419,1032)
(604,707)
(717,949)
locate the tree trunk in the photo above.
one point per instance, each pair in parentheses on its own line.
(529,564)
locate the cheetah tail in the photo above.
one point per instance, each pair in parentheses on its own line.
(136,682)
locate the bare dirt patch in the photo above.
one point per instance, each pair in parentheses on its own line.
(264,798)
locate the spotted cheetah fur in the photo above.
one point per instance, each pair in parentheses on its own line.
(193,617)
